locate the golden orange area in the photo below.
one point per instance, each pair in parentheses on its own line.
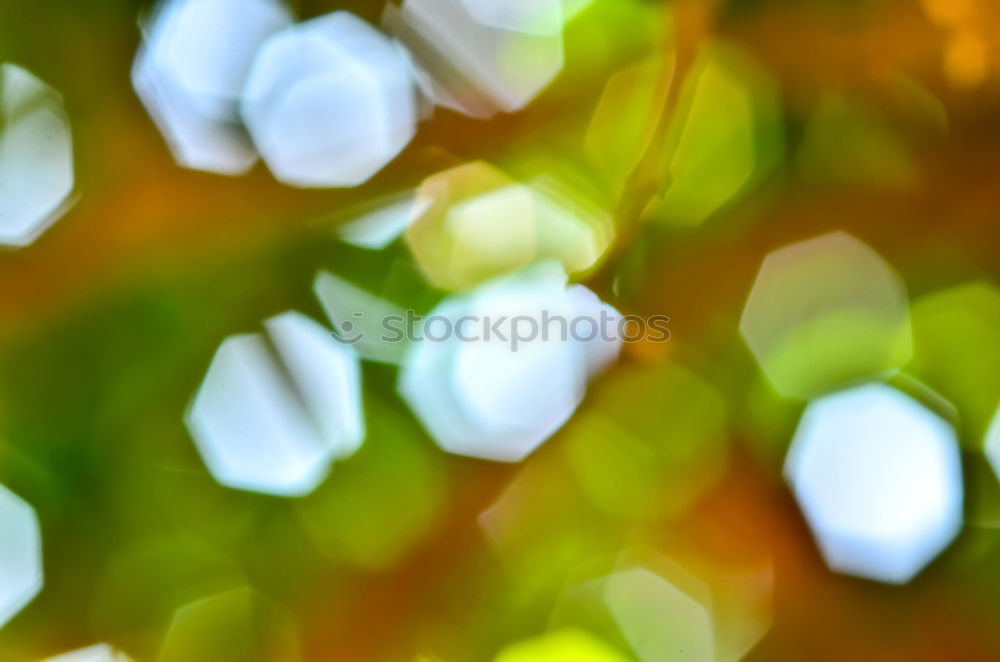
(950,13)
(966,60)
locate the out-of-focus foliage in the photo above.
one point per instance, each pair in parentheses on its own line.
(236,626)
(846,143)
(725,135)
(818,163)
(396,491)
(649,442)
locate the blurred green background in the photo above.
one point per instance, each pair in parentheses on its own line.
(889,128)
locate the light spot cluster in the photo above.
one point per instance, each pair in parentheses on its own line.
(876,473)
(331,101)
(190,72)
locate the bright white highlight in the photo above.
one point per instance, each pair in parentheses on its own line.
(329,102)
(36,157)
(479,396)
(20,555)
(272,419)
(879,479)
(190,74)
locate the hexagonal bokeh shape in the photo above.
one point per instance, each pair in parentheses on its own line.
(879,480)
(728,137)
(483,388)
(826,312)
(474,223)
(36,157)
(273,413)
(20,555)
(329,102)
(469,65)
(96,653)
(190,72)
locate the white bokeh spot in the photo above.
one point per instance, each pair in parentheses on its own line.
(879,480)
(36,157)
(272,415)
(20,555)
(481,395)
(190,72)
(329,102)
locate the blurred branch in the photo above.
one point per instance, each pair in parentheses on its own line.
(686,28)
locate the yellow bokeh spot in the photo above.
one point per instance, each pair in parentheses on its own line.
(477,223)
(569,645)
